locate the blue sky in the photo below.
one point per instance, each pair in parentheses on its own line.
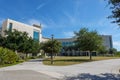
(62,17)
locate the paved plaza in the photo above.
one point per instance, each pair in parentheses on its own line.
(35,70)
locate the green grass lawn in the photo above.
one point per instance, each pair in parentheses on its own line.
(64,61)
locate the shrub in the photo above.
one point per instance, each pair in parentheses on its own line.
(7,56)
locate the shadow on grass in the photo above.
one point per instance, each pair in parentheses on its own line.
(87,76)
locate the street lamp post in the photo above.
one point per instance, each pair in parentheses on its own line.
(52,50)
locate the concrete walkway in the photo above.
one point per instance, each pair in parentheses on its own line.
(23,75)
(89,70)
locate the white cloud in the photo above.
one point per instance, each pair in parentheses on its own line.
(38,22)
(71,18)
(44,25)
(40,6)
(116,44)
(33,21)
(68,34)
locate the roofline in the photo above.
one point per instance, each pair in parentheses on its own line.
(21,22)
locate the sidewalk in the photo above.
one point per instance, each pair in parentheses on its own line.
(96,68)
(24,75)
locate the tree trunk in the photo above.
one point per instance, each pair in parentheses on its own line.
(90,54)
(26,55)
(51,58)
(54,55)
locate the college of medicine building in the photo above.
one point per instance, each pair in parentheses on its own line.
(34,31)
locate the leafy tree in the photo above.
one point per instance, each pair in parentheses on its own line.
(47,46)
(28,45)
(35,47)
(115,10)
(112,51)
(20,41)
(2,41)
(102,50)
(13,39)
(52,47)
(88,40)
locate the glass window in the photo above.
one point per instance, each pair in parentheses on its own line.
(63,44)
(10,26)
(36,35)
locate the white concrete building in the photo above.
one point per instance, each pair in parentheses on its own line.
(33,31)
(44,39)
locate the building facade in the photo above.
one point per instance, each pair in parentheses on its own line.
(107,41)
(33,31)
(66,42)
